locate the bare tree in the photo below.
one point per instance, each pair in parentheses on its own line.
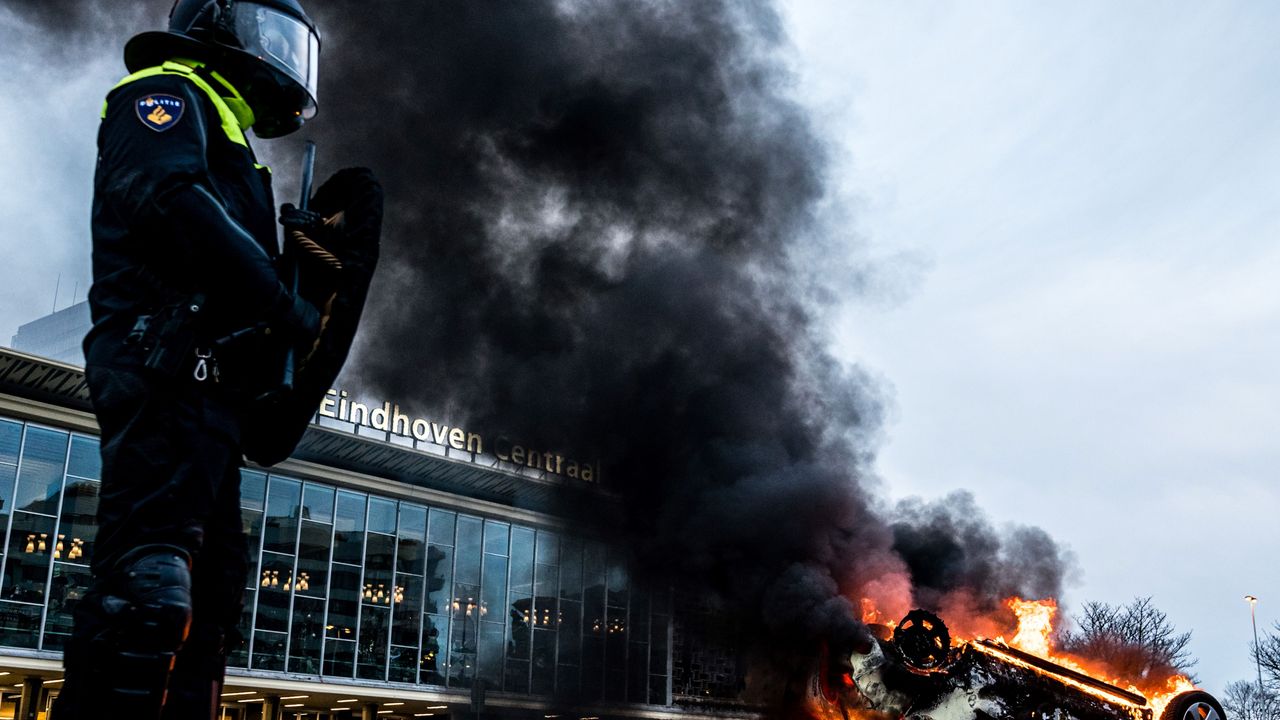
(1244,700)
(1135,641)
(1267,654)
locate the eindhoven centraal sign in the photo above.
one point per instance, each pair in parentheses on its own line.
(338,405)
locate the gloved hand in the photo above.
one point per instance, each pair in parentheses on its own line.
(307,222)
(312,238)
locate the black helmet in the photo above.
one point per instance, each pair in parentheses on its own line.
(268,49)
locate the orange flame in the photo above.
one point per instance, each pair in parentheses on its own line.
(1035,635)
(1035,625)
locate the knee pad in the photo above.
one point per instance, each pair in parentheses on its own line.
(147,609)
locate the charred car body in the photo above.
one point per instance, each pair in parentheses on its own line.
(914,672)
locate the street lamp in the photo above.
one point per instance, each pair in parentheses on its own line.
(1253,615)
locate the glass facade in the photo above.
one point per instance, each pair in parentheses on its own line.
(348,584)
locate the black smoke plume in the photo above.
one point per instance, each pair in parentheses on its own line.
(603,238)
(599,216)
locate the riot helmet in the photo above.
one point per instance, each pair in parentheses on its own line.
(268,49)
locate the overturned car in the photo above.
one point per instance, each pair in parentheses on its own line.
(913,671)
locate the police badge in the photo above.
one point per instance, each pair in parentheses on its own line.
(159,112)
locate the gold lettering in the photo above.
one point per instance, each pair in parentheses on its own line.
(502,449)
(517,454)
(399,420)
(327,404)
(379,417)
(420,430)
(342,406)
(559,465)
(474,443)
(546,462)
(457,439)
(359,413)
(587,472)
(439,433)
(572,470)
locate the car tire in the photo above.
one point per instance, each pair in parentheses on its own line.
(1193,705)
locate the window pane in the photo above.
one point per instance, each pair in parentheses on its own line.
(348,538)
(8,474)
(308,630)
(313,558)
(441,528)
(467,565)
(19,624)
(382,516)
(570,632)
(492,636)
(408,610)
(638,673)
(281,531)
(44,456)
(403,664)
(69,585)
(253,486)
(317,503)
(273,592)
(239,653)
(495,537)
(379,550)
(251,521)
(268,650)
(26,565)
(592,668)
(544,661)
(339,658)
(412,534)
(658,646)
(571,569)
(344,602)
(79,522)
(466,634)
(439,576)
(548,548)
(371,658)
(10,438)
(86,459)
(435,655)
(493,594)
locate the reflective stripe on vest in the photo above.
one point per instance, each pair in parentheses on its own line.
(230,123)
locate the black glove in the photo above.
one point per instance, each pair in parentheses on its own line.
(307,222)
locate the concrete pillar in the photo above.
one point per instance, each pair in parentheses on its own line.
(29,704)
(271,707)
(369,711)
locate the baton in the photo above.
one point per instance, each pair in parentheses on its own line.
(308,176)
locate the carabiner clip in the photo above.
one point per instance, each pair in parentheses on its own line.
(201,373)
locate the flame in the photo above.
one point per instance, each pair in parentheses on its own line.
(1035,625)
(1035,635)
(871,615)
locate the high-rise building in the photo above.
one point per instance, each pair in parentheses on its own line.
(56,336)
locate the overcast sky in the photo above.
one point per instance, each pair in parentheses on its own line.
(1080,201)
(1072,207)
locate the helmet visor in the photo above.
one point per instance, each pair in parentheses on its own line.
(285,43)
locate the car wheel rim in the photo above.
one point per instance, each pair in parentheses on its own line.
(1201,711)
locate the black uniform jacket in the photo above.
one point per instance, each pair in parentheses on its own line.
(179,208)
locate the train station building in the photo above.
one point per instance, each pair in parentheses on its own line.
(400,568)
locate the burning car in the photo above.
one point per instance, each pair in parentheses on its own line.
(913,670)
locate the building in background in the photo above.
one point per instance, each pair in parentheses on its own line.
(399,569)
(56,336)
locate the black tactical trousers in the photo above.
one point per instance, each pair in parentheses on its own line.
(170,476)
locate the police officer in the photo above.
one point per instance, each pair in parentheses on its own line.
(186,302)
